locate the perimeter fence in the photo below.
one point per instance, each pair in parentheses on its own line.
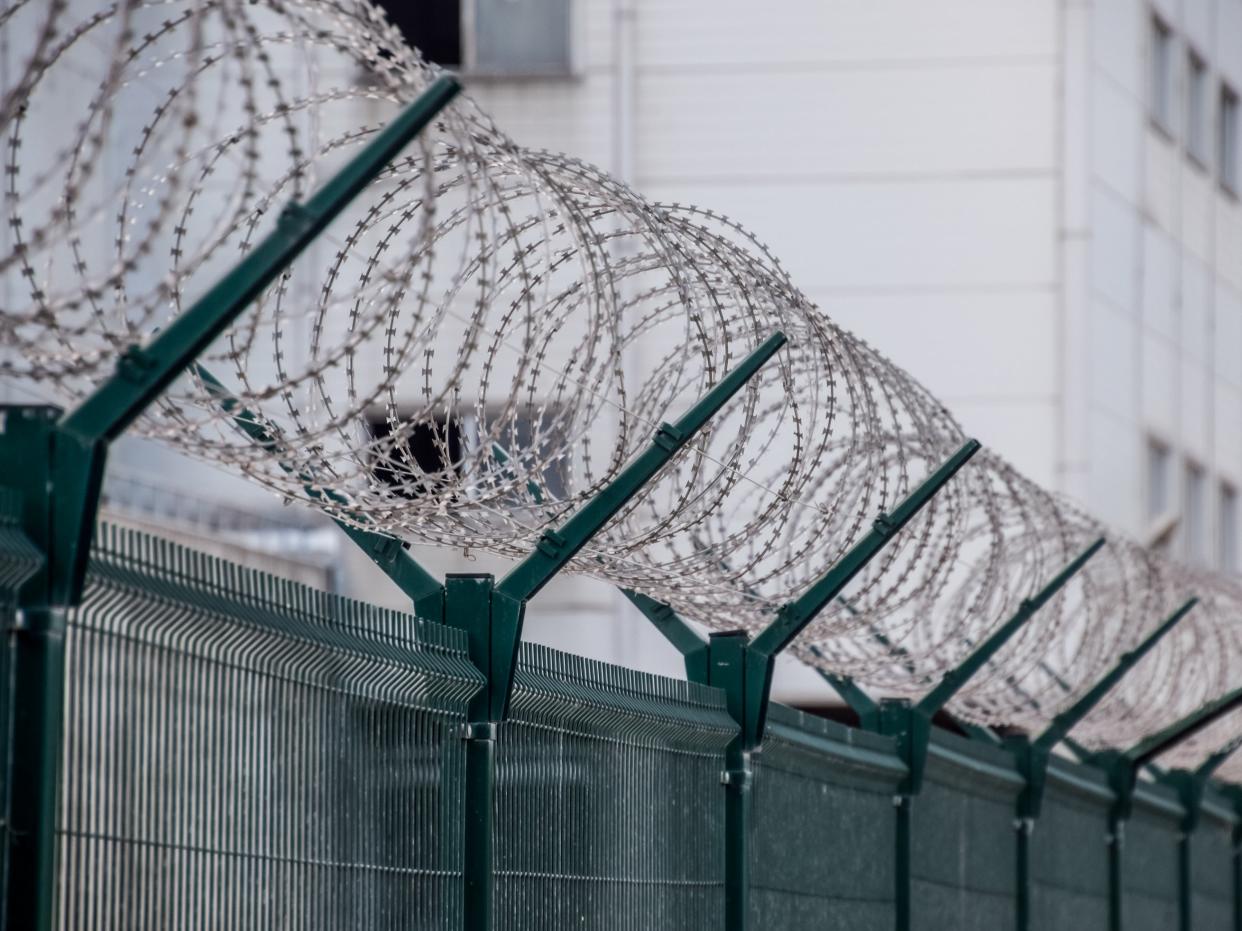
(241,751)
(192,745)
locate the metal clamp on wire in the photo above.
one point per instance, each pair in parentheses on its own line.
(742,778)
(551,544)
(669,438)
(482,730)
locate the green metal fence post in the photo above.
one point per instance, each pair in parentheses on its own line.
(35,664)
(911,722)
(1234,794)
(1023,828)
(727,670)
(744,669)
(1190,793)
(468,605)
(1115,839)
(492,614)
(1033,757)
(1190,786)
(1123,768)
(56,463)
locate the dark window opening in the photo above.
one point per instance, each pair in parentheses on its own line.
(518,438)
(431,26)
(428,457)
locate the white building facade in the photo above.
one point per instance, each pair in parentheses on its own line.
(1030,204)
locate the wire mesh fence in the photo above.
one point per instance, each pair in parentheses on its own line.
(1149,859)
(1069,856)
(243,752)
(1211,875)
(609,812)
(824,823)
(963,859)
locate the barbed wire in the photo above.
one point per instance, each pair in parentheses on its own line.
(482,295)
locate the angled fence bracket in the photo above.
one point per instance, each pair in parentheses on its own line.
(687,641)
(1033,757)
(1123,768)
(55,461)
(743,669)
(1190,786)
(850,692)
(389,554)
(794,617)
(492,613)
(911,722)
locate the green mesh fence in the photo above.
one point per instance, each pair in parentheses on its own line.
(609,809)
(1211,859)
(1068,851)
(963,861)
(1149,875)
(822,844)
(20,560)
(244,752)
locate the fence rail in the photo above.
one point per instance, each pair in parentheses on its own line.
(241,751)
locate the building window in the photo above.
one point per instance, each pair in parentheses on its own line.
(1158,480)
(431,26)
(1194,516)
(1227,145)
(1227,531)
(533,439)
(438,455)
(1196,108)
(1161,51)
(1161,516)
(424,456)
(501,38)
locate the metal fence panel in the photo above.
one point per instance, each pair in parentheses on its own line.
(824,825)
(19,561)
(609,808)
(244,752)
(964,857)
(1211,872)
(1149,875)
(1069,854)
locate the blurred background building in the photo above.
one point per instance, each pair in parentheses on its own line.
(1032,205)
